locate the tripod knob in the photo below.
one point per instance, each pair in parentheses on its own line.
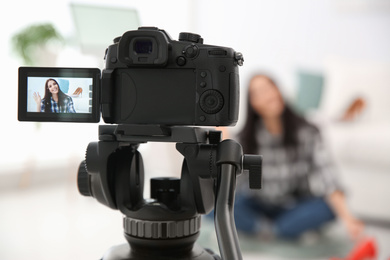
(83,181)
(253,163)
(165,190)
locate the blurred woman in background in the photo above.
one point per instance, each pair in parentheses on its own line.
(300,191)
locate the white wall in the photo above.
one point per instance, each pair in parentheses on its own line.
(282,36)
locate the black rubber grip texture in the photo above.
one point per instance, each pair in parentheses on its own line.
(83,180)
(161,229)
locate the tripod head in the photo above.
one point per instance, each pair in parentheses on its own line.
(167,225)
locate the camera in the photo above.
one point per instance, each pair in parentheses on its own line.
(148,79)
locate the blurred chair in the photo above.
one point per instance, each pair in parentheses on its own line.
(310,86)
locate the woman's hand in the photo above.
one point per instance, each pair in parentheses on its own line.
(355,227)
(37,98)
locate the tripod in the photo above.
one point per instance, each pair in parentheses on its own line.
(167,225)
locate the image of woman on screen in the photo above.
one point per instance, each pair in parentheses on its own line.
(54,101)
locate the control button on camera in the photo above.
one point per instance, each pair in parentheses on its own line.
(222,68)
(191,51)
(203,74)
(211,101)
(203,84)
(202,118)
(181,61)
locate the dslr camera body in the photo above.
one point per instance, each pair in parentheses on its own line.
(150,79)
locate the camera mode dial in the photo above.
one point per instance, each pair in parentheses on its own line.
(190,37)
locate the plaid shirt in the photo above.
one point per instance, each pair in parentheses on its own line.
(292,174)
(55,108)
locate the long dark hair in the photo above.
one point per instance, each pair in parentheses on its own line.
(61,97)
(291,121)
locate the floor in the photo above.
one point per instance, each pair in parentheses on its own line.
(53,221)
(331,243)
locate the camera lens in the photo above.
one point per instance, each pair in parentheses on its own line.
(143,46)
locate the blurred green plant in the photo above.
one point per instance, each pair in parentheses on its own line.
(26,42)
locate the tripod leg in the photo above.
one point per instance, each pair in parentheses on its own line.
(223,214)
